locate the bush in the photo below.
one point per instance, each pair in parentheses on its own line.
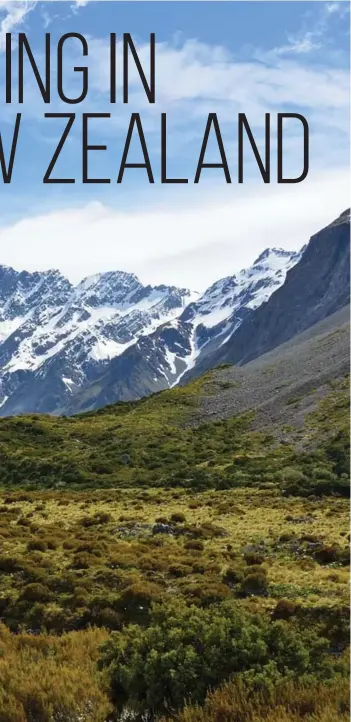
(81,560)
(107,618)
(178,518)
(36,592)
(98,518)
(37,545)
(52,543)
(194,545)
(292,475)
(331,554)
(284,609)
(256,584)
(51,679)
(179,570)
(233,576)
(8,565)
(186,650)
(253,558)
(206,593)
(136,600)
(242,700)
(338,451)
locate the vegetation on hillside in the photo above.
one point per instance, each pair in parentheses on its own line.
(47,678)
(153,443)
(288,701)
(169,568)
(185,651)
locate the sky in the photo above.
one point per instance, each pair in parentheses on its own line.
(211,57)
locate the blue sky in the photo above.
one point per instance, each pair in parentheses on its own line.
(223,57)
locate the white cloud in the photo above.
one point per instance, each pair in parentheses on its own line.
(309,40)
(197,71)
(193,79)
(178,243)
(16,12)
(224,229)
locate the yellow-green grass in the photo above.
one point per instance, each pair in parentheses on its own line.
(247,520)
(161,441)
(280,529)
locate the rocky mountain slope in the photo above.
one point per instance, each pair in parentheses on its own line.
(160,360)
(317,286)
(65,348)
(56,337)
(286,384)
(238,319)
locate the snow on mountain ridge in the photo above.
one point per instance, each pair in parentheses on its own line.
(44,321)
(83,317)
(220,310)
(276,252)
(63,336)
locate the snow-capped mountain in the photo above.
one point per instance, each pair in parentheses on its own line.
(65,348)
(56,338)
(219,312)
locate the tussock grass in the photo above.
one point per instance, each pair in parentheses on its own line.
(50,678)
(241,520)
(289,702)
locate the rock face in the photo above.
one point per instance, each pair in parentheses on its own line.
(65,348)
(56,338)
(317,286)
(161,359)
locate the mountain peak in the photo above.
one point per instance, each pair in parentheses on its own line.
(120,339)
(275,252)
(343,218)
(122,278)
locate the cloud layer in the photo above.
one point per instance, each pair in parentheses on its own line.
(193,237)
(183,244)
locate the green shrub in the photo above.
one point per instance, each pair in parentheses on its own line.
(253,558)
(284,609)
(233,576)
(330,554)
(178,518)
(194,545)
(136,600)
(254,584)
(38,545)
(36,592)
(179,570)
(8,565)
(186,651)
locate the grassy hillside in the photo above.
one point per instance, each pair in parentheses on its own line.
(148,557)
(161,442)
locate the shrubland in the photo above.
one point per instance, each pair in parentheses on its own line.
(46,677)
(154,565)
(163,441)
(288,701)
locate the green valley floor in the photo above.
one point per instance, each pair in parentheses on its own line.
(157,566)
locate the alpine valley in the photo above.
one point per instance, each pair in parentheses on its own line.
(182,557)
(66,349)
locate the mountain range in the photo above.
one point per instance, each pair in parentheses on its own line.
(66,349)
